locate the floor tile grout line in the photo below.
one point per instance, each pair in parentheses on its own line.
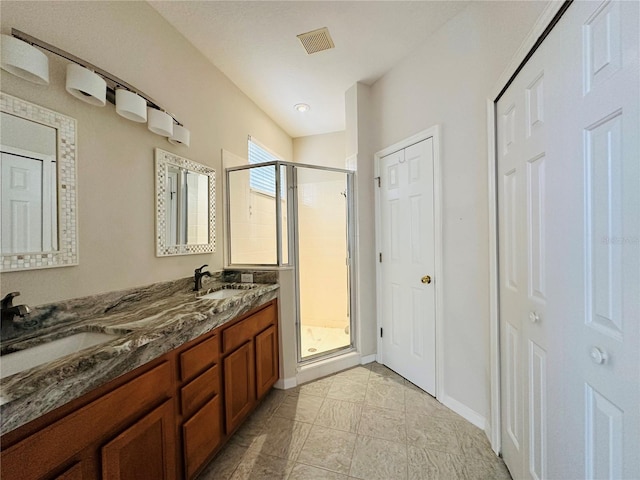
(472,453)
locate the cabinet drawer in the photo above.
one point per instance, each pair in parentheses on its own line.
(199,390)
(202,435)
(199,357)
(248,328)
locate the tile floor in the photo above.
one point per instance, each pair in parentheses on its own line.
(363,423)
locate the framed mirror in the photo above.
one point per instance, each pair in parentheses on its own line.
(185,206)
(38,197)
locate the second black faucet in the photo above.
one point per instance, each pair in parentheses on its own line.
(198,277)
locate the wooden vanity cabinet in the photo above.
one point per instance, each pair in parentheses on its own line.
(267,368)
(162,421)
(200,403)
(239,385)
(144,450)
(103,434)
(250,359)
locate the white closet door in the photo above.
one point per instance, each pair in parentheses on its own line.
(569,221)
(522,131)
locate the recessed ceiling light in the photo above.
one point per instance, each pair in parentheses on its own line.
(302,107)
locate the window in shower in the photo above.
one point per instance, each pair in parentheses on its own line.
(306,224)
(257,217)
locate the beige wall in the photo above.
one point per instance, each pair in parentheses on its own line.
(361,150)
(447,82)
(115,156)
(327,150)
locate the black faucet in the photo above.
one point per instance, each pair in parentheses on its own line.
(9,310)
(198,277)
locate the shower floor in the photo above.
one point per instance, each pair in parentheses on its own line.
(322,339)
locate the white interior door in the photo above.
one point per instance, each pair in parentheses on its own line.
(525,330)
(407,263)
(569,235)
(21,204)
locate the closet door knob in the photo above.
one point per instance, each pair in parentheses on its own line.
(426,279)
(534,317)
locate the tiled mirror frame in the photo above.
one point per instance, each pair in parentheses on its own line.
(67,253)
(162,158)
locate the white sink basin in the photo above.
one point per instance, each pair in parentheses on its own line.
(16,362)
(220,294)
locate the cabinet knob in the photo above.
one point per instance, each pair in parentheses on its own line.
(534,317)
(598,356)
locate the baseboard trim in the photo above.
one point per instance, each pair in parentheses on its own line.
(464,411)
(368,359)
(286,383)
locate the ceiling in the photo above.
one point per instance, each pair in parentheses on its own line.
(254,44)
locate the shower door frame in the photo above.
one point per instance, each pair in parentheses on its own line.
(292,243)
(350,259)
(279,263)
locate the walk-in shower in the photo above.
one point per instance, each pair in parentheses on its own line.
(289,214)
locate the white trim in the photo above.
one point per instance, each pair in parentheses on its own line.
(45,157)
(368,359)
(434,133)
(493,429)
(464,411)
(286,383)
(329,366)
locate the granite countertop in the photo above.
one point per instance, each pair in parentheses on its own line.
(147,322)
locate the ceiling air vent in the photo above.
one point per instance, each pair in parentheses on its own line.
(316,41)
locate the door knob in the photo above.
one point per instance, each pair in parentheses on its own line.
(598,356)
(534,317)
(426,279)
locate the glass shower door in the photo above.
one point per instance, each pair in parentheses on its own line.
(323,261)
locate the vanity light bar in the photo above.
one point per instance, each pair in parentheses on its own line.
(113,82)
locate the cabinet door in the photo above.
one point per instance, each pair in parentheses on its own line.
(266,360)
(75,472)
(202,434)
(60,444)
(239,385)
(144,450)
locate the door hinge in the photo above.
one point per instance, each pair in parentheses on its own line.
(380,332)
(380,257)
(378,179)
